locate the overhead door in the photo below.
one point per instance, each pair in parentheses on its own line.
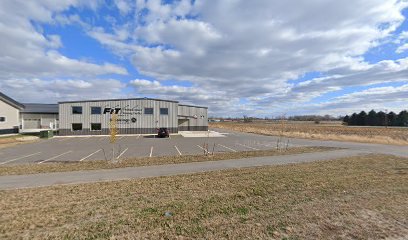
(32,123)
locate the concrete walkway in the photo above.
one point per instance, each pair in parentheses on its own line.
(49,179)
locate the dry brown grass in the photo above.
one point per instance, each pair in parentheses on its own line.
(397,136)
(9,141)
(147,161)
(353,198)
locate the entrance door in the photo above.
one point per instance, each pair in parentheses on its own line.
(183,125)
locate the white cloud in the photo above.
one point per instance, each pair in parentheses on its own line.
(218,100)
(27,52)
(124,6)
(378,98)
(402,48)
(254,50)
(52,91)
(229,51)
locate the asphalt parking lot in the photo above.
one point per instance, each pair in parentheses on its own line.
(65,149)
(69,149)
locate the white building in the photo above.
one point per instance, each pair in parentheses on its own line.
(17,117)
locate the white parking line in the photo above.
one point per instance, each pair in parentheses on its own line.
(247,146)
(121,137)
(178,150)
(228,148)
(15,159)
(120,155)
(151,151)
(64,139)
(49,159)
(90,155)
(205,150)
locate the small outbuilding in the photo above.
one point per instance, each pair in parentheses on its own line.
(18,117)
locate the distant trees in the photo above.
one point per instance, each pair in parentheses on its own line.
(380,118)
(315,118)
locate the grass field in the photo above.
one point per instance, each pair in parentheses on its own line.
(147,161)
(398,136)
(353,198)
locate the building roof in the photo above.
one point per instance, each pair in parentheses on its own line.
(40,108)
(11,101)
(123,99)
(185,105)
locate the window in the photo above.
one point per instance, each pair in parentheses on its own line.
(164,111)
(76,126)
(148,111)
(76,110)
(2,119)
(96,127)
(96,110)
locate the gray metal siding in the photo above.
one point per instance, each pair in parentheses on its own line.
(197,118)
(133,108)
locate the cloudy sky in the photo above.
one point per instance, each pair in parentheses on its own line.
(258,58)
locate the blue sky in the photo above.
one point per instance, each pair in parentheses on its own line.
(267,58)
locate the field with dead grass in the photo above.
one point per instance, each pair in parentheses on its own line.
(397,136)
(147,161)
(352,198)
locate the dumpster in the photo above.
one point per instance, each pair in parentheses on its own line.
(46,134)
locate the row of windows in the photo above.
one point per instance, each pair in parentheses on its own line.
(94,127)
(98,110)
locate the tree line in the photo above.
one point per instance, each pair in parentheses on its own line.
(374,118)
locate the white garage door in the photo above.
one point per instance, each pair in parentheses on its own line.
(32,123)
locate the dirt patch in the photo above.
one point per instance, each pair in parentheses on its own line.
(15,140)
(352,198)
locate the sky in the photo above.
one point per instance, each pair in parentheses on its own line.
(263,58)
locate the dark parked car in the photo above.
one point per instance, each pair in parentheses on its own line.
(162,132)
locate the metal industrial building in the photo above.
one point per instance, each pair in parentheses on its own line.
(134,116)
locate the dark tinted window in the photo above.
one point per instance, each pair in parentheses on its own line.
(164,111)
(76,126)
(96,127)
(96,110)
(2,119)
(148,111)
(76,110)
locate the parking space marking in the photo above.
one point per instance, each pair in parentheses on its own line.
(120,155)
(121,137)
(205,150)
(85,138)
(151,151)
(177,150)
(49,159)
(228,148)
(15,159)
(90,155)
(64,139)
(247,146)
